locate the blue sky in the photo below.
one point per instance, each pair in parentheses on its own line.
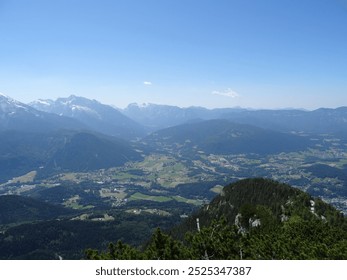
(216,53)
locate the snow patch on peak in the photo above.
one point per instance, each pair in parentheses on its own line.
(81,108)
(43,102)
(87,110)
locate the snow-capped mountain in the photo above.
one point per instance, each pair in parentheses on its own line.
(72,106)
(15,115)
(9,106)
(99,117)
(31,139)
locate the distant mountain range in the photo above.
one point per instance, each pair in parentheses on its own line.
(137,120)
(319,121)
(156,117)
(78,134)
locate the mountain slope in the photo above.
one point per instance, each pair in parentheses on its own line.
(268,220)
(243,197)
(85,152)
(99,117)
(46,142)
(18,209)
(225,137)
(48,153)
(251,219)
(22,152)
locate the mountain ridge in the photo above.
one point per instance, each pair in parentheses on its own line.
(99,117)
(162,116)
(15,115)
(136,120)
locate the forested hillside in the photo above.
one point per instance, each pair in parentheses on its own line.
(250,219)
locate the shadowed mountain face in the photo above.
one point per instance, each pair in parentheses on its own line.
(85,152)
(98,117)
(19,209)
(225,137)
(49,153)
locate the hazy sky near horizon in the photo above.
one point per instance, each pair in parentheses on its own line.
(216,53)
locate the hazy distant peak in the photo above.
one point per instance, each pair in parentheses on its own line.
(144,105)
(97,116)
(9,105)
(3,95)
(72,99)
